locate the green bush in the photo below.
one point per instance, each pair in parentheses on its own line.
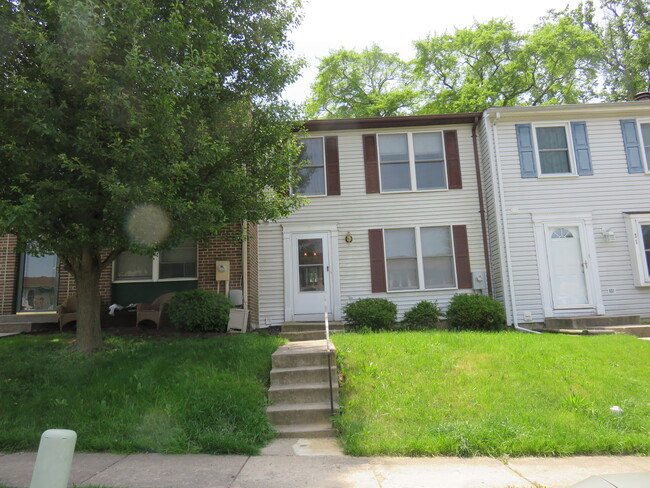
(370,313)
(475,312)
(199,311)
(424,315)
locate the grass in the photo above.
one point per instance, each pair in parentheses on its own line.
(174,396)
(494,394)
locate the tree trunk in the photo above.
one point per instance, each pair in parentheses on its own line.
(89,331)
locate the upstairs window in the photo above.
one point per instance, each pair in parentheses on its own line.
(553,150)
(412,162)
(312,174)
(636,140)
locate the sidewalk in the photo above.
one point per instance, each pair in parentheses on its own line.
(318,463)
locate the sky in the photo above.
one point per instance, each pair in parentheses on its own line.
(394,25)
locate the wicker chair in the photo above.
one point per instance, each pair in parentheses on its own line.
(67,311)
(153,311)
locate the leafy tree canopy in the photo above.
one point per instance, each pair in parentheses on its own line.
(367,84)
(156,119)
(571,56)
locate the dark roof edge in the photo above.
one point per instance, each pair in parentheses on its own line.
(387,122)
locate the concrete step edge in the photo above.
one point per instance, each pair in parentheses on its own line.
(305,386)
(302,368)
(301,407)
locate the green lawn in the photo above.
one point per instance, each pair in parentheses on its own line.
(179,395)
(465,394)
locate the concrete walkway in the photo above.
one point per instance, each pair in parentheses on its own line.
(319,463)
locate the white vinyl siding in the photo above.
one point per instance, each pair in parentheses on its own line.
(605,196)
(355,212)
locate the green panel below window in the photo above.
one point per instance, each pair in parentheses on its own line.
(126,293)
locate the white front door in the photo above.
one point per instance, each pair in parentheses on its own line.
(568,267)
(311,276)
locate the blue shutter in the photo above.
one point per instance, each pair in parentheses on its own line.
(632,146)
(581,148)
(526,151)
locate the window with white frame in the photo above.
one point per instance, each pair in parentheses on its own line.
(645,138)
(412,161)
(553,150)
(638,226)
(177,263)
(312,174)
(419,258)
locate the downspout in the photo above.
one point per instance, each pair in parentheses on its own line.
(506,241)
(244,264)
(479,186)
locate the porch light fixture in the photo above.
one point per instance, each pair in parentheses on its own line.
(348,238)
(609,235)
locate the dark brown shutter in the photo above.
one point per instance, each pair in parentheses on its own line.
(461,254)
(371,163)
(377,263)
(453,160)
(332,165)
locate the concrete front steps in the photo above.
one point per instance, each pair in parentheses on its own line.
(599,324)
(300,391)
(308,331)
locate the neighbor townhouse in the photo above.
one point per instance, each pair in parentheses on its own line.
(567,196)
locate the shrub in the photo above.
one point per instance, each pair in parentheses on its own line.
(424,315)
(370,313)
(475,312)
(200,310)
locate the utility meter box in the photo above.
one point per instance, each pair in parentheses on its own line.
(222,271)
(479,280)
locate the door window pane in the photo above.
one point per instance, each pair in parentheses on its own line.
(310,265)
(312,175)
(129,266)
(553,150)
(39,283)
(178,262)
(401,259)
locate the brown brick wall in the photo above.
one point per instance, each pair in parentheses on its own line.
(8,274)
(224,247)
(253,282)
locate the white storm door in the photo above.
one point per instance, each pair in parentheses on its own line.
(568,267)
(311,275)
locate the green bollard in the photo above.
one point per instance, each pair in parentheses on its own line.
(54,459)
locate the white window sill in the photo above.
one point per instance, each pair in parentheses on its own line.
(393,192)
(422,290)
(558,176)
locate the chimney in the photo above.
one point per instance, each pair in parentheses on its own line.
(642,96)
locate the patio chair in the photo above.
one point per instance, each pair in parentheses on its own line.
(67,311)
(153,311)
